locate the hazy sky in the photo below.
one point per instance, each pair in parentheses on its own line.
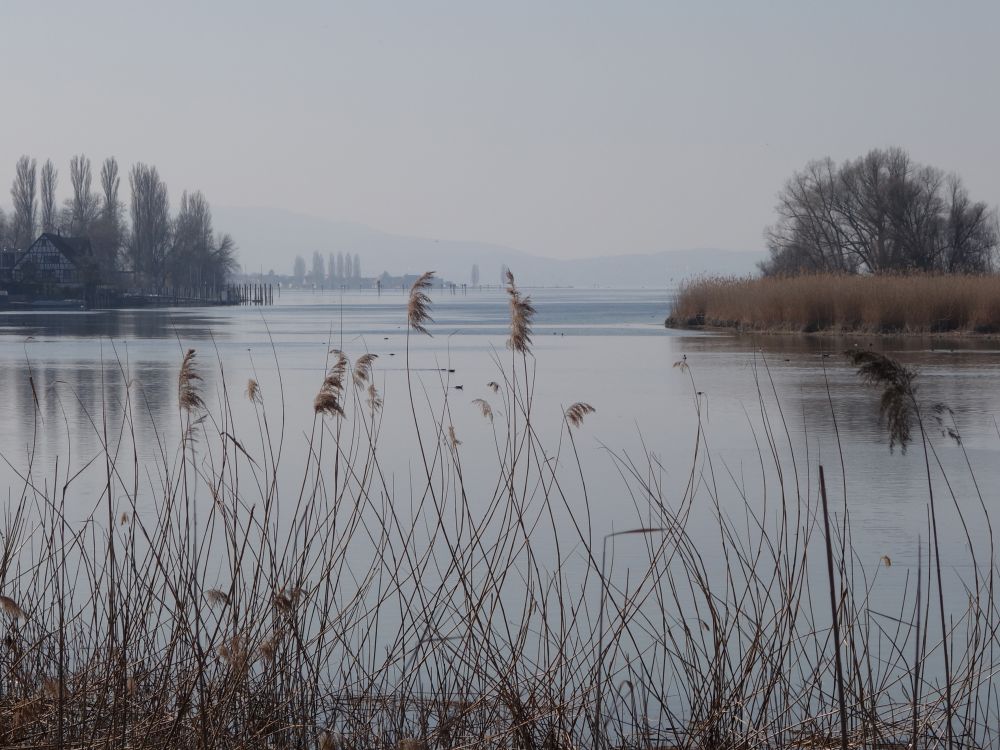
(561,128)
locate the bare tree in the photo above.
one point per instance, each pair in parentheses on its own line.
(971,231)
(23,223)
(879,213)
(348,266)
(83,207)
(340,265)
(110,182)
(474,277)
(50,178)
(299,268)
(198,257)
(191,239)
(357,266)
(107,233)
(331,267)
(223,257)
(149,242)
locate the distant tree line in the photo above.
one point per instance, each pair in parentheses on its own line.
(880,213)
(340,268)
(140,237)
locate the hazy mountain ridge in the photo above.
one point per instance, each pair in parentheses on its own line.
(271,238)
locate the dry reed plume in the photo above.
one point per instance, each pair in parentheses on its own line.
(917,303)
(418,307)
(898,403)
(484,407)
(577,412)
(187,386)
(11,608)
(363,369)
(374,399)
(521,314)
(253,391)
(328,400)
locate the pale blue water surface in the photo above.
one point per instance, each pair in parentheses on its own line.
(608,348)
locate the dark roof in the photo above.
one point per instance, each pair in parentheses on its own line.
(76,249)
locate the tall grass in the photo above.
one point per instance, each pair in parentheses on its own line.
(235,610)
(919,303)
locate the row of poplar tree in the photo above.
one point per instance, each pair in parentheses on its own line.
(341,267)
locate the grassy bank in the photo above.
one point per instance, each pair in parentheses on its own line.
(827,302)
(208,602)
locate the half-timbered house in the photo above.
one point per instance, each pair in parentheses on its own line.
(54,259)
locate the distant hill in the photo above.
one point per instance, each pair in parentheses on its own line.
(271,238)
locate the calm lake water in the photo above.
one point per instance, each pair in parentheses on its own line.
(606,348)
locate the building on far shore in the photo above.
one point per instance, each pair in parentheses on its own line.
(54,259)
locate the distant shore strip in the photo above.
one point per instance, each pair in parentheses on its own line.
(833,303)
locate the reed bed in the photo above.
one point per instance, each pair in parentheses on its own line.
(916,303)
(237,610)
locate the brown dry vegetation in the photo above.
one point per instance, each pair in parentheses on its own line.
(232,609)
(919,303)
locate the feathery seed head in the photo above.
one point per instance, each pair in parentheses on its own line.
(217,597)
(12,608)
(418,309)
(268,647)
(374,400)
(484,407)
(340,366)
(576,413)
(327,401)
(285,601)
(898,404)
(521,314)
(234,653)
(363,369)
(187,390)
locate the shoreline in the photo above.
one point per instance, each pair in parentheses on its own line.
(830,332)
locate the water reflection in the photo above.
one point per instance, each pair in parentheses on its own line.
(113,324)
(60,411)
